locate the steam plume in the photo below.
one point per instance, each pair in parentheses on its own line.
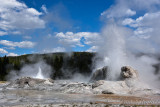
(38,70)
(39,74)
(115,52)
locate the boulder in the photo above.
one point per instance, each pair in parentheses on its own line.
(99,74)
(107,92)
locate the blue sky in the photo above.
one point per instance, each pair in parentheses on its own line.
(44,26)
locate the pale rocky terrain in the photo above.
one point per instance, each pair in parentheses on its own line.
(32,91)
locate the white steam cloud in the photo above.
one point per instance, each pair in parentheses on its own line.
(114,48)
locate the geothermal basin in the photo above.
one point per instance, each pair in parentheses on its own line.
(128,90)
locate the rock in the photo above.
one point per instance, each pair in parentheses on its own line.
(99,74)
(128,85)
(128,72)
(97,84)
(80,88)
(49,81)
(107,92)
(114,87)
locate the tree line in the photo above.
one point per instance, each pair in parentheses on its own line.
(3,67)
(64,65)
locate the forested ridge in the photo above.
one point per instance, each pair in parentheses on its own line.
(63,65)
(74,62)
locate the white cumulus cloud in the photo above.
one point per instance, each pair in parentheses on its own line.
(16,15)
(74,39)
(3,51)
(12,54)
(2,33)
(146,27)
(57,49)
(22,44)
(126,8)
(130,12)
(93,49)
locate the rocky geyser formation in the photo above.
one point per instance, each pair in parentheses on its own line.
(99,74)
(128,72)
(128,85)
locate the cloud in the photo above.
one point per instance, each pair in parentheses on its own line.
(92,49)
(16,32)
(74,39)
(143,32)
(144,29)
(120,9)
(130,12)
(2,33)
(57,49)
(130,22)
(23,44)
(2,51)
(12,54)
(121,12)
(150,5)
(44,8)
(66,42)
(11,48)
(27,37)
(59,17)
(16,15)
(126,8)
(148,19)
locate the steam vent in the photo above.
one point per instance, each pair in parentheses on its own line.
(26,88)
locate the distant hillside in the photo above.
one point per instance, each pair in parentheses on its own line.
(80,62)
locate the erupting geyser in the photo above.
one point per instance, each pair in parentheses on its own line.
(113,49)
(39,74)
